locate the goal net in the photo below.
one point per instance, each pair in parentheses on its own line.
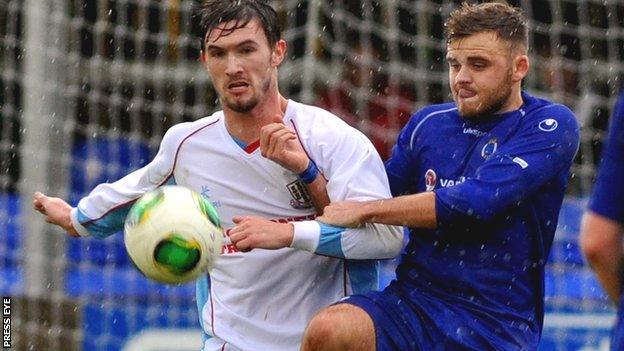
(88,88)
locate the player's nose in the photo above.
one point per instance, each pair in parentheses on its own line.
(233,66)
(463,76)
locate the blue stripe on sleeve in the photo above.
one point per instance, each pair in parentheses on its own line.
(363,275)
(330,242)
(110,224)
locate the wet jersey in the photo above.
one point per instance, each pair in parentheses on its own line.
(478,278)
(263,299)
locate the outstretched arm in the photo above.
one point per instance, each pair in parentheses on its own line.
(56,211)
(103,211)
(520,167)
(416,210)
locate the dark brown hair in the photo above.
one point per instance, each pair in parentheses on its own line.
(509,23)
(213,12)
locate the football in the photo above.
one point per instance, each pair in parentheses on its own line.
(173,235)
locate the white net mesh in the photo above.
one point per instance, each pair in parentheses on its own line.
(88,87)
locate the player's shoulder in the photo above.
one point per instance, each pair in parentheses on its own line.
(548,116)
(182,130)
(324,134)
(316,122)
(432,115)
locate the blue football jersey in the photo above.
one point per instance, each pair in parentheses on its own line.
(499,185)
(608,196)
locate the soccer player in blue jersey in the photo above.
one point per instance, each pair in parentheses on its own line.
(479,183)
(603,225)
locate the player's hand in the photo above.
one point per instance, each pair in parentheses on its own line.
(56,211)
(254,232)
(344,214)
(280,144)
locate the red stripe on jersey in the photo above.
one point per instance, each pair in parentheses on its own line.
(252,147)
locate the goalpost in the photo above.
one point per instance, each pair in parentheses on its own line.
(88,88)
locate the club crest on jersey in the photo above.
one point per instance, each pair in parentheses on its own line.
(548,125)
(300,197)
(430,180)
(489,148)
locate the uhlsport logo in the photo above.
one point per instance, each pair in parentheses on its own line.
(548,125)
(300,197)
(489,148)
(430,180)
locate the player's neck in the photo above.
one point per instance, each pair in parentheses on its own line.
(246,126)
(514,102)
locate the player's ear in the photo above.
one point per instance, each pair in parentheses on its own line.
(277,56)
(520,67)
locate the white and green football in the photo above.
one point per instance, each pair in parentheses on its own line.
(173,235)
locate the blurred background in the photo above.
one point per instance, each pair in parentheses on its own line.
(88,88)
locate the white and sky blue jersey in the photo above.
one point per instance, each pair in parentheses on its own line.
(263,299)
(499,185)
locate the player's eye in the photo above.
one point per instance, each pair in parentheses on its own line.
(479,65)
(216,53)
(247,50)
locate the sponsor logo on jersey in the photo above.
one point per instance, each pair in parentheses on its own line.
(444,183)
(476,132)
(430,180)
(300,197)
(489,148)
(548,125)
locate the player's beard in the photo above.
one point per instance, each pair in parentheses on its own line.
(492,101)
(244,106)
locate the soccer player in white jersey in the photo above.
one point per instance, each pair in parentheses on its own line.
(254,298)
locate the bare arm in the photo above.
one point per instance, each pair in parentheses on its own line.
(318,193)
(56,211)
(601,242)
(416,210)
(280,144)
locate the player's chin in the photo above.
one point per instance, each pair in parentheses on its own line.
(240,104)
(467,111)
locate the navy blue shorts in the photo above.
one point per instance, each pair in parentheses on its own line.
(397,327)
(410,321)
